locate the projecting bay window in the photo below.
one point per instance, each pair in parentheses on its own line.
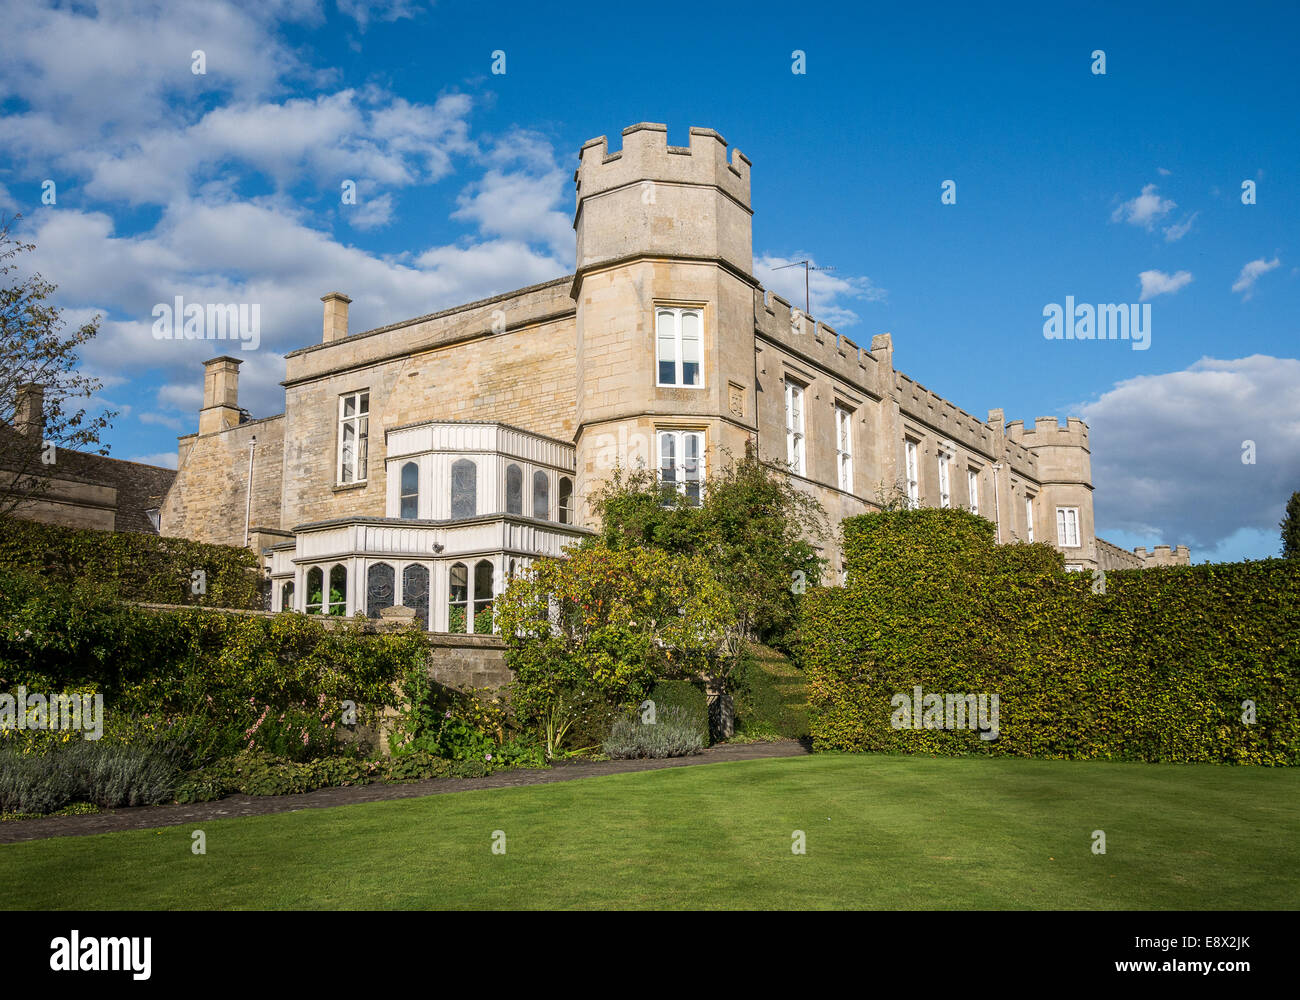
(679,346)
(354,432)
(973,490)
(913,482)
(945,495)
(681,463)
(844,447)
(795,449)
(1067,527)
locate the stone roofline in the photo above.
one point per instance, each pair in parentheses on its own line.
(479,423)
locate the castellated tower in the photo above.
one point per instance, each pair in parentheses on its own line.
(665,305)
(1065,478)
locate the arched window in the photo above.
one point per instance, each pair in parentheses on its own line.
(464,488)
(338,591)
(415,593)
(457,598)
(566,500)
(514,490)
(483,573)
(541,495)
(286,596)
(380,583)
(315,590)
(410,493)
(510,570)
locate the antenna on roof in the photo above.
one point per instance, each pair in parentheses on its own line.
(807,266)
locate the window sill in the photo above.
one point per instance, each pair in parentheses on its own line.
(669,385)
(344,487)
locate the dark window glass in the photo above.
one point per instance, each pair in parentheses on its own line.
(566,500)
(457,598)
(514,490)
(315,590)
(338,591)
(381,581)
(541,495)
(415,593)
(410,491)
(483,596)
(464,488)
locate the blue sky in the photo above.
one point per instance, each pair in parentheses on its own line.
(1115,188)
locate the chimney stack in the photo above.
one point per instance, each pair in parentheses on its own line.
(336,317)
(220,395)
(29,414)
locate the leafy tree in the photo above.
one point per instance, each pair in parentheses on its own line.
(755,530)
(1290,526)
(591,633)
(35,351)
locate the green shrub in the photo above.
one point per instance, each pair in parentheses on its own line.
(137,567)
(687,699)
(674,733)
(771,697)
(83,771)
(1156,669)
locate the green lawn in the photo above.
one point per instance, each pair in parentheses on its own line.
(887,832)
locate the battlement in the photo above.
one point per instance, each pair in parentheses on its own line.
(1163,555)
(646,156)
(818,342)
(1048,432)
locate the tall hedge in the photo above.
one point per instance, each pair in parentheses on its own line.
(1155,669)
(139,567)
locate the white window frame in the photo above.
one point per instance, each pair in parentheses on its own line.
(945,492)
(677,360)
(844,446)
(1073,568)
(913,481)
(796,442)
(679,456)
(973,489)
(360,421)
(1029,519)
(1067,518)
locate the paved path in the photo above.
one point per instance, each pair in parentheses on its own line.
(148,817)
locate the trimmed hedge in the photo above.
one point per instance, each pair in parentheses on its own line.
(139,567)
(1155,669)
(686,697)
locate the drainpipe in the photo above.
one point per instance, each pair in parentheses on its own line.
(997,507)
(248,507)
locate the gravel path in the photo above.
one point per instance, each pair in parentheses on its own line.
(148,817)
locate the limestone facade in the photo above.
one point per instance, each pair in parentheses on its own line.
(660,349)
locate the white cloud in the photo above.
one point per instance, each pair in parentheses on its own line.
(370,213)
(829,292)
(166,459)
(1167,450)
(162,420)
(1250,273)
(362,11)
(1176,232)
(1145,210)
(1158,283)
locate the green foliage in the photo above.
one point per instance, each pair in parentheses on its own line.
(685,698)
(137,567)
(591,633)
(1290,526)
(754,528)
(674,733)
(82,770)
(200,683)
(771,696)
(1155,669)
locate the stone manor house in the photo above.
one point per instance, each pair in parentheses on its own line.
(425,462)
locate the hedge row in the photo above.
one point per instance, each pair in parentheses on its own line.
(140,567)
(1158,668)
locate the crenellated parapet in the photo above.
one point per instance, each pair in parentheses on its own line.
(799,333)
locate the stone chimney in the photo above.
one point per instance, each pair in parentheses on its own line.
(29,414)
(336,317)
(220,395)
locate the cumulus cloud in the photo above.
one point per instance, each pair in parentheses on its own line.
(1145,210)
(1158,283)
(829,292)
(1250,273)
(1167,452)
